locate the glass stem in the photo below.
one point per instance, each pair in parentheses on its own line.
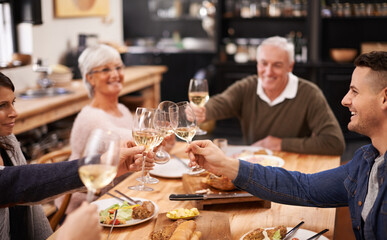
(90,195)
(142,183)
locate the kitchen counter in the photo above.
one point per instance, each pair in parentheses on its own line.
(36,112)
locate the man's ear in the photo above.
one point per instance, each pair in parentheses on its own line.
(384,98)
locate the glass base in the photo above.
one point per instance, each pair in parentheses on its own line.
(200,131)
(140,188)
(148,180)
(162,157)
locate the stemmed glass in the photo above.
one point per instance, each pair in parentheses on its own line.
(145,135)
(164,125)
(184,124)
(198,95)
(98,167)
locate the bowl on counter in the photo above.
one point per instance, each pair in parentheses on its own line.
(342,55)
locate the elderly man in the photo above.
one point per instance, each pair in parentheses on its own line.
(276,109)
(360,184)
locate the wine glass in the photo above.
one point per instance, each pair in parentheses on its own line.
(163,123)
(184,124)
(98,167)
(145,135)
(198,95)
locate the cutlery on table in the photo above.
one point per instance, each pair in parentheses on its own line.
(129,198)
(114,221)
(180,160)
(291,231)
(318,234)
(198,196)
(108,193)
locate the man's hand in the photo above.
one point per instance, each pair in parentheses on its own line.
(200,113)
(269,142)
(210,157)
(131,159)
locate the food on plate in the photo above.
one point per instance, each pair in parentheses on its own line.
(178,230)
(184,231)
(126,212)
(261,152)
(245,153)
(165,232)
(183,213)
(219,182)
(277,233)
(144,211)
(264,160)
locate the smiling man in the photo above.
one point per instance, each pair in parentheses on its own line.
(276,109)
(360,184)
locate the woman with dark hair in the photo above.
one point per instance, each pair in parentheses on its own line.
(22,185)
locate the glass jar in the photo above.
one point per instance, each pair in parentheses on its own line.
(274,8)
(347,12)
(245,9)
(242,53)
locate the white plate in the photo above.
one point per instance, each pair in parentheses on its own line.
(238,149)
(301,234)
(105,203)
(172,169)
(264,160)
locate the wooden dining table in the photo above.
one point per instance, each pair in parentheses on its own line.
(242,218)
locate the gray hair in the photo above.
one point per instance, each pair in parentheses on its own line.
(93,57)
(280,42)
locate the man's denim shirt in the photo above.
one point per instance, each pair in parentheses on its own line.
(346,185)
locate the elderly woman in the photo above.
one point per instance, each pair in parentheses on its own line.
(22,185)
(102,73)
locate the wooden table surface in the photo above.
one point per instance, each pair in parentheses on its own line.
(36,112)
(243,218)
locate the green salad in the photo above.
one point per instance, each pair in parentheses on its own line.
(124,213)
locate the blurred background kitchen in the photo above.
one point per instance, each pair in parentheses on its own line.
(215,39)
(40,42)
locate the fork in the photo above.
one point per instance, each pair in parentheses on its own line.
(129,198)
(180,160)
(114,221)
(318,234)
(293,230)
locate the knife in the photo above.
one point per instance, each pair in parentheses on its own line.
(198,196)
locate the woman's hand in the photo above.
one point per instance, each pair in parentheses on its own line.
(83,223)
(131,158)
(210,157)
(168,142)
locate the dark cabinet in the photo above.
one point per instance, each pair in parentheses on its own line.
(182,67)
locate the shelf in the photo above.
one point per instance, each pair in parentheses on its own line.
(181,18)
(372,18)
(265,18)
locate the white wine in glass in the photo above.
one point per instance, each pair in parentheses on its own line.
(98,167)
(184,124)
(198,95)
(165,127)
(144,134)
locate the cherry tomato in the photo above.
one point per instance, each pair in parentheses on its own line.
(116,222)
(295,239)
(111,211)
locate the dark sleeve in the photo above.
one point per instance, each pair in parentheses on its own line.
(35,182)
(322,189)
